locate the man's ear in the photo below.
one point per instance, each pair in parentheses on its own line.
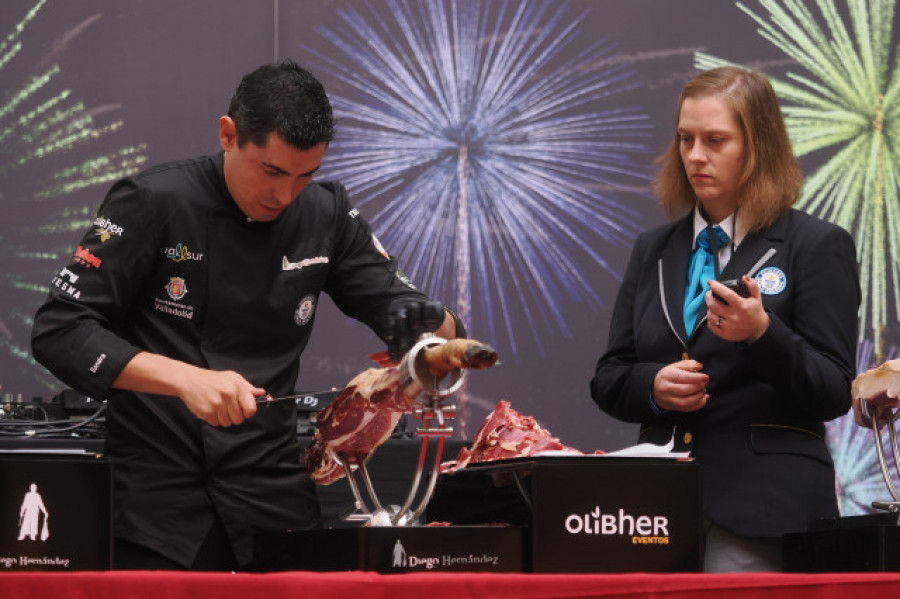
(227,133)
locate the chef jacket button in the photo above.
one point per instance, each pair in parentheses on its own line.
(688,437)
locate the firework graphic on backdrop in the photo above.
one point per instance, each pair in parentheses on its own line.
(493,167)
(858,477)
(40,124)
(848,106)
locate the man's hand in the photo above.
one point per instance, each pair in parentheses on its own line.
(681,387)
(879,389)
(221,398)
(407,320)
(880,412)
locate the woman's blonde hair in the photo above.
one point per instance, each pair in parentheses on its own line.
(771,178)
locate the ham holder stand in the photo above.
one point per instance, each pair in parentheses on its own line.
(860,543)
(429,397)
(891,421)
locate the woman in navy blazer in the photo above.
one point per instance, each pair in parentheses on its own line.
(748,387)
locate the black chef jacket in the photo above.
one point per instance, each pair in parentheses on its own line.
(172,266)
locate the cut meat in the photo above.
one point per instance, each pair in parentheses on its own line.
(360,419)
(363,416)
(507,434)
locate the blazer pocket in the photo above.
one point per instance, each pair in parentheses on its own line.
(779,438)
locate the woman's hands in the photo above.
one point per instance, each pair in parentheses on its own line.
(735,318)
(681,387)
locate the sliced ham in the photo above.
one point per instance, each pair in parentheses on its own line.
(363,416)
(507,434)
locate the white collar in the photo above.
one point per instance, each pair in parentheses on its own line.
(727,225)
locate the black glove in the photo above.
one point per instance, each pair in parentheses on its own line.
(409,318)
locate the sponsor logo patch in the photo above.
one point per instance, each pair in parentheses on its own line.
(180,310)
(84,257)
(176,288)
(288,265)
(97,363)
(379,247)
(771,280)
(404,279)
(65,282)
(181,253)
(305,310)
(106,229)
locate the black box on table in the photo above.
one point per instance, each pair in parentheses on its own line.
(585,513)
(392,550)
(55,512)
(866,543)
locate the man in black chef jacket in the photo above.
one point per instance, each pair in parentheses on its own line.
(192,295)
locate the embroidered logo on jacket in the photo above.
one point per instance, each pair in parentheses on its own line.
(179,310)
(97,363)
(85,257)
(105,228)
(67,286)
(177,288)
(181,253)
(379,247)
(288,265)
(404,279)
(305,310)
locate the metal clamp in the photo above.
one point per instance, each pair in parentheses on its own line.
(416,385)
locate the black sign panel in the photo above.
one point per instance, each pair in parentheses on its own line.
(586,514)
(616,517)
(54,513)
(393,550)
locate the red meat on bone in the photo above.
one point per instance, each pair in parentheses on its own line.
(508,434)
(360,419)
(363,416)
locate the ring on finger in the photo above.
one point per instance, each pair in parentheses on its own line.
(719,322)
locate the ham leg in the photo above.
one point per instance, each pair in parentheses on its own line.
(363,416)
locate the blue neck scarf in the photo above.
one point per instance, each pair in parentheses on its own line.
(702,270)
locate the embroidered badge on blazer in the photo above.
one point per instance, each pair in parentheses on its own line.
(771,280)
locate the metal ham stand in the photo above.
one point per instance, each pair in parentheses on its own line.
(429,396)
(859,543)
(888,506)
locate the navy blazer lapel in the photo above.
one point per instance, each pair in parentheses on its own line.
(753,247)
(675,260)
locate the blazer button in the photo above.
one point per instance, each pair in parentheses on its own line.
(688,437)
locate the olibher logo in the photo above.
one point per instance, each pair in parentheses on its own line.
(643,529)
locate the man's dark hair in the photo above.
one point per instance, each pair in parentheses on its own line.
(285,98)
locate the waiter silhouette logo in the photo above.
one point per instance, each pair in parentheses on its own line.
(29,516)
(399,555)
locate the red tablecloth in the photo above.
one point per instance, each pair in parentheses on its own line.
(343,585)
